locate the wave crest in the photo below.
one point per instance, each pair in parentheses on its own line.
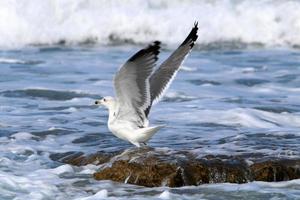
(231,23)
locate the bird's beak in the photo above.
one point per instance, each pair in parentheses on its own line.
(98,102)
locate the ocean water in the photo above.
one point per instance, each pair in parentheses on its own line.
(238,92)
(233,22)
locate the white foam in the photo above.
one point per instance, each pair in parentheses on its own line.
(55,128)
(62,169)
(253,186)
(164,195)
(26,187)
(11,61)
(245,117)
(178,95)
(22,136)
(71,109)
(102,194)
(188,69)
(75,21)
(89,169)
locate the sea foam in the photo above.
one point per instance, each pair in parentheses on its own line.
(269,23)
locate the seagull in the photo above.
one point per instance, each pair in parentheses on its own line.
(138,86)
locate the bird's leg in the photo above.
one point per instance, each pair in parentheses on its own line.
(139,144)
(136,144)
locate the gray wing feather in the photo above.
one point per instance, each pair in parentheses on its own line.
(163,76)
(131,82)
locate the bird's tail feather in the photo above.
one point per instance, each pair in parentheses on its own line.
(148,132)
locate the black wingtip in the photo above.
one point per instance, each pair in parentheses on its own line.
(152,48)
(155,47)
(192,37)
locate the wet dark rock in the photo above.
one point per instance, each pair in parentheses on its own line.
(79,159)
(153,167)
(278,170)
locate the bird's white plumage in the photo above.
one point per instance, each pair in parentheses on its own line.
(137,87)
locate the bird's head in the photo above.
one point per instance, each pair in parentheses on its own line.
(108,102)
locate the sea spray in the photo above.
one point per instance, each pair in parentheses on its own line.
(227,22)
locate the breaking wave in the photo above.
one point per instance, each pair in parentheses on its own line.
(221,23)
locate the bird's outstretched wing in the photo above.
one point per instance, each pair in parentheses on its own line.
(132,85)
(163,76)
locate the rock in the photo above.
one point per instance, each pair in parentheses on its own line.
(278,170)
(153,167)
(146,175)
(79,159)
